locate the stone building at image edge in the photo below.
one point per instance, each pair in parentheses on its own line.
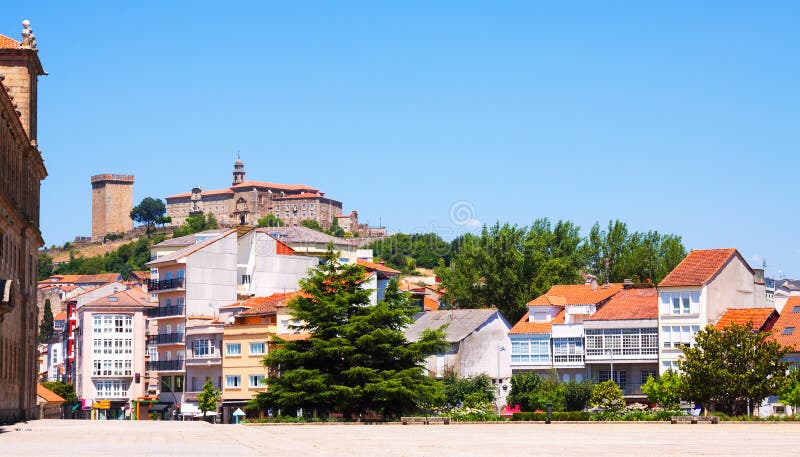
(244,202)
(21,171)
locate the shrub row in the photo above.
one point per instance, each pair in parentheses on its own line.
(556,416)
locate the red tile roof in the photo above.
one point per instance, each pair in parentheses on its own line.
(758,316)
(304,195)
(525,326)
(629,304)
(83,279)
(205,193)
(430,304)
(788,319)
(293,336)
(8,43)
(266,305)
(699,267)
(578,294)
(62,316)
(48,395)
(274,186)
(130,297)
(376,267)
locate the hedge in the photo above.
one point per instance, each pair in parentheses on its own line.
(556,416)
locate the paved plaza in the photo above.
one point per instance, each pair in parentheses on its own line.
(118,438)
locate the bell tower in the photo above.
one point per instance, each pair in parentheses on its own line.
(238,171)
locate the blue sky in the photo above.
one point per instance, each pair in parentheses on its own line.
(671,116)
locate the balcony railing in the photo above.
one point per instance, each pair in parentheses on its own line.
(165,365)
(165,311)
(165,338)
(164,284)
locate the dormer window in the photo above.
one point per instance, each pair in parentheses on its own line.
(541,317)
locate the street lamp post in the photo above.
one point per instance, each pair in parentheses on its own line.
(499,350)
(611,353)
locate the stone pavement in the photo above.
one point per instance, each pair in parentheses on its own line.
(143,438)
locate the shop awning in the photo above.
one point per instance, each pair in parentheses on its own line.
(158,408)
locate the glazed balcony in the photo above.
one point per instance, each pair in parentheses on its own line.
(165,311)
(165,365)
(165,338)
(155,285)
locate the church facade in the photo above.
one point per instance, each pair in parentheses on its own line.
(244,202)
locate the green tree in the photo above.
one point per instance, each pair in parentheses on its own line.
(665,390)
(45,266)
(607,395)
(270,220)
(790,393)
(163,220)
(533,392)
(208,398)
(312,224)
(46,326)
(356,359)
(404,252)
(469,391)
(615,254)
(126,258)
(577,394)
(507,266)
(336,229)
(148,212)
(63,390)
(731,366)
(196,224)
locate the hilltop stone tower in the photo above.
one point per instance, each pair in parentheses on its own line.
(112,201)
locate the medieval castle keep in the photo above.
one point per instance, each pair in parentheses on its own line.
(112,201)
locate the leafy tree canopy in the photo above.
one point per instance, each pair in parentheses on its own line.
(469,391)
(208,398)
(148,212)
(732,367)
(407,252)
(270,220)
(196,224)
(46,326)
(45,266)
(63,390)
(125,259)
(356,359)
(666,390)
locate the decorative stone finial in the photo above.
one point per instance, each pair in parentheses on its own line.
(28,38)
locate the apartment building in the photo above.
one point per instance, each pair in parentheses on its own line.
(193,284)
(697,292)
(110,351)
(622,340)
(551,334)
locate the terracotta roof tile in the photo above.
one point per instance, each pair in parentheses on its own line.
(698,267)
(129,297)
(83,279)
(576,294)
(48,395)
(266,305)
(293,336)
(304,195)
(430,304)
(271,185)
(789,319)
(758,316)
(524,326)
(62,316)
(376,267)
(629,304)
(8,43)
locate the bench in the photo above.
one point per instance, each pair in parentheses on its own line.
(425,420)
(693,419)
